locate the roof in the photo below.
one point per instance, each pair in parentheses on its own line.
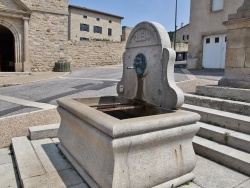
(97,11)
(182,27)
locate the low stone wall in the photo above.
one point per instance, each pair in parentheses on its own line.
(180,47)
(93,53)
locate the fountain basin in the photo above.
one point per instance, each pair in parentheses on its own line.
(117,142)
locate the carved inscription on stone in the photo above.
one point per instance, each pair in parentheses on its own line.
(142,35)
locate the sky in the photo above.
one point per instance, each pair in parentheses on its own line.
(135,11)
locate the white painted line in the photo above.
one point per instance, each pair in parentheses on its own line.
(95,79)
(189,74)
(27,102)
(23,114)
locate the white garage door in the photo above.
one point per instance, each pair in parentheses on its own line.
(214,51)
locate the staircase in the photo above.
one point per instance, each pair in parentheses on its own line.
(224,134)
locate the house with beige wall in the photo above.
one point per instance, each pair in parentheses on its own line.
(89,24)
(207,34)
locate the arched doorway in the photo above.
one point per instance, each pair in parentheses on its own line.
(7,50)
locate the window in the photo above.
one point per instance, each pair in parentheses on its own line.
(83,38)
(217,5)
(217,40)
(97,29)
(110,21)
(84,27)
(207,40)
(185,37)
(109,32)
(85,16)
(225,39)
(98,19)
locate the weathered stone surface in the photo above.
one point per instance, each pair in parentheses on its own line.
(50,156)
(152,40)
(237,94)
(5,156)
(44,131)
(236,40)
(223,119)
(219,104)
(8,176)
(245,6)
(210,174)
(118,148)
(235,57)
(93,53)
(245,184)
(247,62)
(102,145)
(27,162)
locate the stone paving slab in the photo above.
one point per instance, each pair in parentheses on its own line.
(8,176)
(50,156)
(8,173)
(190,185)
(57,171)
(245,184)
(65,178)
(5,156)
(27,162)
(209,174)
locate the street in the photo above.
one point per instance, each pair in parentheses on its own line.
(83,82)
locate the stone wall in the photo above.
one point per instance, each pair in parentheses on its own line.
(126,32)
(47,5)
(93,53)
(47,33)
(180,46)
(48,30)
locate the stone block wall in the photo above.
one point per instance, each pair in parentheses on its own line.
(93,53)
(126,32)
(47,5)
(47,32)
(180,47)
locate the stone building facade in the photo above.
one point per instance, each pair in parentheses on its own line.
(34,34)
(207,38)
(38,28)
(89,24)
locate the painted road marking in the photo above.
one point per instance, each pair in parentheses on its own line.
(94,79)
(24,102)
(189,74)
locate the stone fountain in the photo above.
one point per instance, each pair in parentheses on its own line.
(139,138)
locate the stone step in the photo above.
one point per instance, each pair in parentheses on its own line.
(238,94)
(228,137)
(43,131)
(225,155)
(220,118)
(41,164)
(218,104)
(26,159)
